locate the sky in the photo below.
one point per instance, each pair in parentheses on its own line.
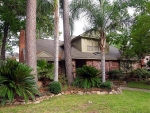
(79,28)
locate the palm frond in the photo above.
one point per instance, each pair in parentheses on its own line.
(16,79)
(87,77)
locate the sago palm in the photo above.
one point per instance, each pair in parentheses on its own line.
(55,4)
(87,77)
(45,69)
(16,80)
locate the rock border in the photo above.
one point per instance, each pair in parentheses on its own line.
(50,95)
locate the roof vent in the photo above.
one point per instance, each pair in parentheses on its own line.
(96,53)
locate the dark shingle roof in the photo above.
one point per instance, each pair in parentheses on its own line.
(48,46)
(112,55)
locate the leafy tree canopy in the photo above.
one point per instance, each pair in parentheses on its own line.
(12,12)
(12,16)
(140,33)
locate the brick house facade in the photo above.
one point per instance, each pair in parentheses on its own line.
(81,53)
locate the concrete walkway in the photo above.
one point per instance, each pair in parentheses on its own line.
(135,89)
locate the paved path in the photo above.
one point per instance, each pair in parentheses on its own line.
(135,89)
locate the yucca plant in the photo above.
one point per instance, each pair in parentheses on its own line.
(87,77)
(16,80)
(45,69)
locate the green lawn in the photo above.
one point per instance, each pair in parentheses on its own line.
(128,102)
(139,84)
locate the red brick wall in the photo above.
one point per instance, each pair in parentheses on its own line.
(113,65)
(109,65)
(107,68)
(95,64)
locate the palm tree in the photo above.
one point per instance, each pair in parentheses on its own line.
(55,9)
(67,45)
(30,52)
(56,38)
(100,14)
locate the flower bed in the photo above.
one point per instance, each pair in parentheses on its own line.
(46,95)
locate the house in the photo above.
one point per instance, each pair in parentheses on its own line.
(84,51)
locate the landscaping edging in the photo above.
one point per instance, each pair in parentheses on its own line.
(50,95)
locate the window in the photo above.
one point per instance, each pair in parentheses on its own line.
(89,48)
(96,48)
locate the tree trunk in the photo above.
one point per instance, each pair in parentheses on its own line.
(56,40)
(103,65)
(6,25)
(30,53)
(67,45)
(102,48)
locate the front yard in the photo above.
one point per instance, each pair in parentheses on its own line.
(127,102)
(17,84)
(138,84)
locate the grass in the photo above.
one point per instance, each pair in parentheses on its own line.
(128,102)
(139,84)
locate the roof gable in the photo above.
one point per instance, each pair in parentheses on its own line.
(94,34)
(44,54)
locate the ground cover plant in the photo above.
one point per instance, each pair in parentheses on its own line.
(127,102)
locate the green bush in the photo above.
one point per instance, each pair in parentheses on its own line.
(62,79)
(55,87)
(16,80)
(140,73)
(106,84)
(115,74)
(148,63)
(45,69)
(87,77)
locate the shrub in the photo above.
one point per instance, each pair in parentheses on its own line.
(55,87)
(140,73)
(115,74)
(63,80)
(16,80)
(45,69)
(148,63)
(87,77)
(106,84)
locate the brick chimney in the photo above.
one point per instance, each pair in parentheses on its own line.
(22,46)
